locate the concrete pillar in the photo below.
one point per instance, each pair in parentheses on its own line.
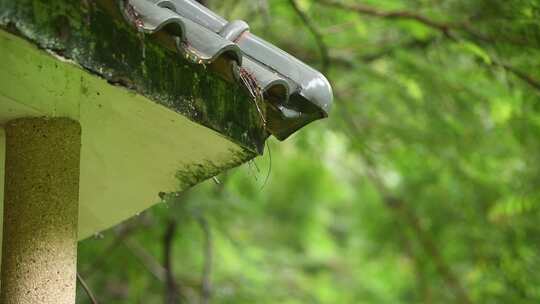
(39,248)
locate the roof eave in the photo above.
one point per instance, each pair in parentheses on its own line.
(96,36)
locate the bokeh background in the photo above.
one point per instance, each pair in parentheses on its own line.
(423,186)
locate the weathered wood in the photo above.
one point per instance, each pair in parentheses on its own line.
(133,148)
(94,34)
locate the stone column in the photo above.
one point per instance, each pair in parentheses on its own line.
(39,248)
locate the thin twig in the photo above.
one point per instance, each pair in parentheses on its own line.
(89,292)
(269,165)
(153,266)
(146,259)
(253,88)
(122,233)
(319,39)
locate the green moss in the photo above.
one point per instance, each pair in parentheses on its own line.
(195,173)
(93,34)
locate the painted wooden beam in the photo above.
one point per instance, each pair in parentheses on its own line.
(151,123)
(132,147)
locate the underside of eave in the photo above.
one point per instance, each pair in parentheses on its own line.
(133,149)
(94,35)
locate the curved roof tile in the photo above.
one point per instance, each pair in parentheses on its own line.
(297,93)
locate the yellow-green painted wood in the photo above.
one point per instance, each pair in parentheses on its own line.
(132,147)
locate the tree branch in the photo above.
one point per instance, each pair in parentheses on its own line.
(422,286)
(390,50)
(445,28)
(206,286)
(535,83)
(429,246)
(172,293)
(122,233)
(146,259)
(403,211)
(310,25)
(158,271)
(449,30)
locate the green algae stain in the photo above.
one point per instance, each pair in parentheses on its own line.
(195,173)
(93,34)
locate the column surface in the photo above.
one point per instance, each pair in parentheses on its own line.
(39,248)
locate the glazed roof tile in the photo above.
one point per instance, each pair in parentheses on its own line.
(296,93)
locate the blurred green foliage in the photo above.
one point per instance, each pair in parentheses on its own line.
(423,186)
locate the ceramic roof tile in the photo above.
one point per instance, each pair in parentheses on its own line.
(296,94)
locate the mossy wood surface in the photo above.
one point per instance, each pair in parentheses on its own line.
(152,122)
(94,34)
(132,147)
